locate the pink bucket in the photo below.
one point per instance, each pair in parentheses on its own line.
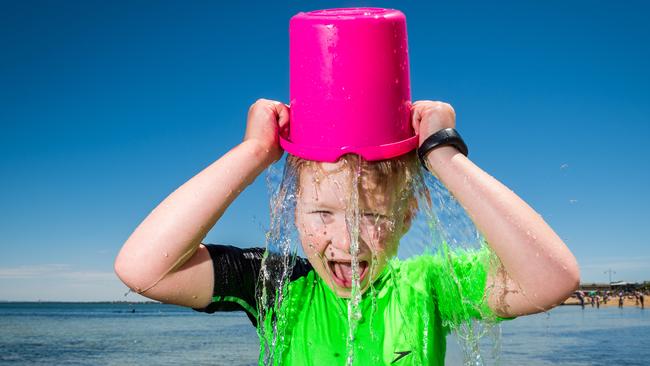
(350,88)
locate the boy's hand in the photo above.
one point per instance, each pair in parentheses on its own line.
(429,117)
(265,118)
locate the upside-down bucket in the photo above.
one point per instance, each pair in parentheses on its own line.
(349,85)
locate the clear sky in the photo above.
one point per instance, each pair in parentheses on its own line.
(108,106)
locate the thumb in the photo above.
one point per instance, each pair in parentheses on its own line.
(415,118)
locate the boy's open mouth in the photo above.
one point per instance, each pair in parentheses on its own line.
(342,272)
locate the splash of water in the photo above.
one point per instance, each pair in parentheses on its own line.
(352,221)
(440,228)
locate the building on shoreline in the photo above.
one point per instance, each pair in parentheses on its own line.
(619,286)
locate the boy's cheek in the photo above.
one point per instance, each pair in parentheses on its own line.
(311,244)
(378,237)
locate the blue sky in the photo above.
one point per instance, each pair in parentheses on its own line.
(107,107)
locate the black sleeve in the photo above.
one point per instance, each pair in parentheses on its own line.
(236,277)
(236,272)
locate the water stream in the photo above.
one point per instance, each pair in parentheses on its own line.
(439,229)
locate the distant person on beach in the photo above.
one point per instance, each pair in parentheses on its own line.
(620,299)
(350,295)
(642,297)
(581,297)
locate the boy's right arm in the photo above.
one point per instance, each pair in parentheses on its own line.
(164,259)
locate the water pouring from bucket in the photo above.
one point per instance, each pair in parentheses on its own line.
(351,189)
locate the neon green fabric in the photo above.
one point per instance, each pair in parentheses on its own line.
(404,318)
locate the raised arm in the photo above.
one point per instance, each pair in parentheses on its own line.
(540,271)
(163,259)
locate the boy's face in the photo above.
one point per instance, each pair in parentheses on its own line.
(322,205)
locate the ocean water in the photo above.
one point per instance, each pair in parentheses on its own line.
(158,334)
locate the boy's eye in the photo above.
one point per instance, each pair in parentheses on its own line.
(375,216)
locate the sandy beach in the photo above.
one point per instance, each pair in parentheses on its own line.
(611,302)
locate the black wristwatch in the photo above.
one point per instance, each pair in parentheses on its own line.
(447,136)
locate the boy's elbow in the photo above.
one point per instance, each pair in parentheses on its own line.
(121,270)
(571,280)
(125,269)
(575,279)
(573,274)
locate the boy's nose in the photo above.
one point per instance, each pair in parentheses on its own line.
(342,239)
(343,242)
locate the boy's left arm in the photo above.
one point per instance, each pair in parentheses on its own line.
(540,271)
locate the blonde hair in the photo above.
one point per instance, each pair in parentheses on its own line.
(396,176)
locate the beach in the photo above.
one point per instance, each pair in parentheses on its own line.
(611,302)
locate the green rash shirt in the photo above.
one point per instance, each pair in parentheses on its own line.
(404,317)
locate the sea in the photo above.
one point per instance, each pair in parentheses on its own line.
(44,333)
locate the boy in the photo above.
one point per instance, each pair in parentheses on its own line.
(165,260)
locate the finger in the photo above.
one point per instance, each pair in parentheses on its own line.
(421,102)
(415,119)
(416,112)
(282,112)
(285,122)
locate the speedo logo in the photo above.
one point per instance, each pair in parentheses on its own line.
(400,355)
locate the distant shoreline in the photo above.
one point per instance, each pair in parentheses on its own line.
(612,302)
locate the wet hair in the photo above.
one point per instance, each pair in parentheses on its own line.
(396,177)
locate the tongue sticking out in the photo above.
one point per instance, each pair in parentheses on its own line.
(343,272)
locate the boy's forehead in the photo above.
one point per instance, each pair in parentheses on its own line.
(314,182)
(333,183)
